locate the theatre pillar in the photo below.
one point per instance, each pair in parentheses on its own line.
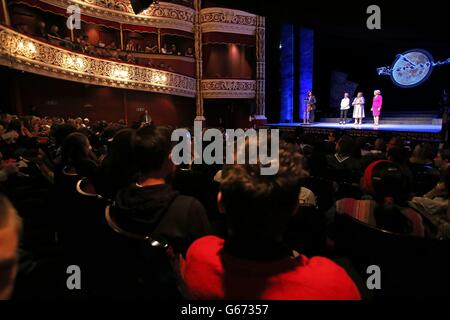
(199,63)
(260,116)
(5,17)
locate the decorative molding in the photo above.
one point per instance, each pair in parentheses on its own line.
(228,21)
(199,107)
(28,54)
(161,56)
(165,15)
(261,66)
(228,89)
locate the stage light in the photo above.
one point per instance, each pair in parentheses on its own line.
(140,5)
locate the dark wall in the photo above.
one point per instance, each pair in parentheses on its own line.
(228,61)
(230,114)
(360,55)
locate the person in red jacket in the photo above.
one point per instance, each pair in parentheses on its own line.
(253,261)
(10,228)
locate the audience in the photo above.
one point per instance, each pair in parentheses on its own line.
(253,261)
(151,206)
(70,170)
(343,162)
(54,32)
(387,206)
(41,31)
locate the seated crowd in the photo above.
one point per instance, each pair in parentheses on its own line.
(109,199)
(133,52)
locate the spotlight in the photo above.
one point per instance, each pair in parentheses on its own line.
(140,5)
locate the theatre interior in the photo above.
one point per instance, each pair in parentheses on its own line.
(348,102)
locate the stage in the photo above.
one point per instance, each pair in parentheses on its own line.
(405,127)
(410,128)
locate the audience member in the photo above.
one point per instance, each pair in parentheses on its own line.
(387,209)
(10,228)
(151,206)
(253,261)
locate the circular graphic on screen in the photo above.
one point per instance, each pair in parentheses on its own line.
(412,68)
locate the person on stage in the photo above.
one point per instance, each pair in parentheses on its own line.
(145,118)
(311,107)
(376,106)
(345,106)
(358,108)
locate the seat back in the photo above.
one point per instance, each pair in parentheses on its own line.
(306,231)
(425,178)
(143,264)
(323,189)
(410,266)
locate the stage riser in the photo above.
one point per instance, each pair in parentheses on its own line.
(389,120)
(372,134)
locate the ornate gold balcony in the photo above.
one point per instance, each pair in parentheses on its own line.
(228,89)
(228,21)
(28,54)
(165,15)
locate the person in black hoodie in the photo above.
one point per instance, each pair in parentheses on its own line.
(151,207)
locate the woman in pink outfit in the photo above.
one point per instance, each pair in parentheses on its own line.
(376,106)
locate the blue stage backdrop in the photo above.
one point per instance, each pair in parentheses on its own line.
(306,56)
(287,73)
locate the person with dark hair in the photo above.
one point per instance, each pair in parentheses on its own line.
(394,142)
(58,133)
(146,118)
(311,107)
(442,159)
(77,156)
(386,184)
(422,154)
(441,163)
(41,30)
(254,261)
(151,206)
(434,206)
(118,168)
(330,142)
(10,227)
(343,163)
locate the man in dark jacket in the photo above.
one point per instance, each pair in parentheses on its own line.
(151,207)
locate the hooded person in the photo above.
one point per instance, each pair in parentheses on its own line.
(151,207)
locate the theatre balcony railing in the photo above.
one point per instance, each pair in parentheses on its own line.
(164,15)
(228,89)
(28,54)
(225,20)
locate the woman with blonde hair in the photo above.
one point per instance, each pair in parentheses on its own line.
(358,108)
(376,106)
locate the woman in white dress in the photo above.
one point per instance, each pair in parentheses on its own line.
(358,108)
